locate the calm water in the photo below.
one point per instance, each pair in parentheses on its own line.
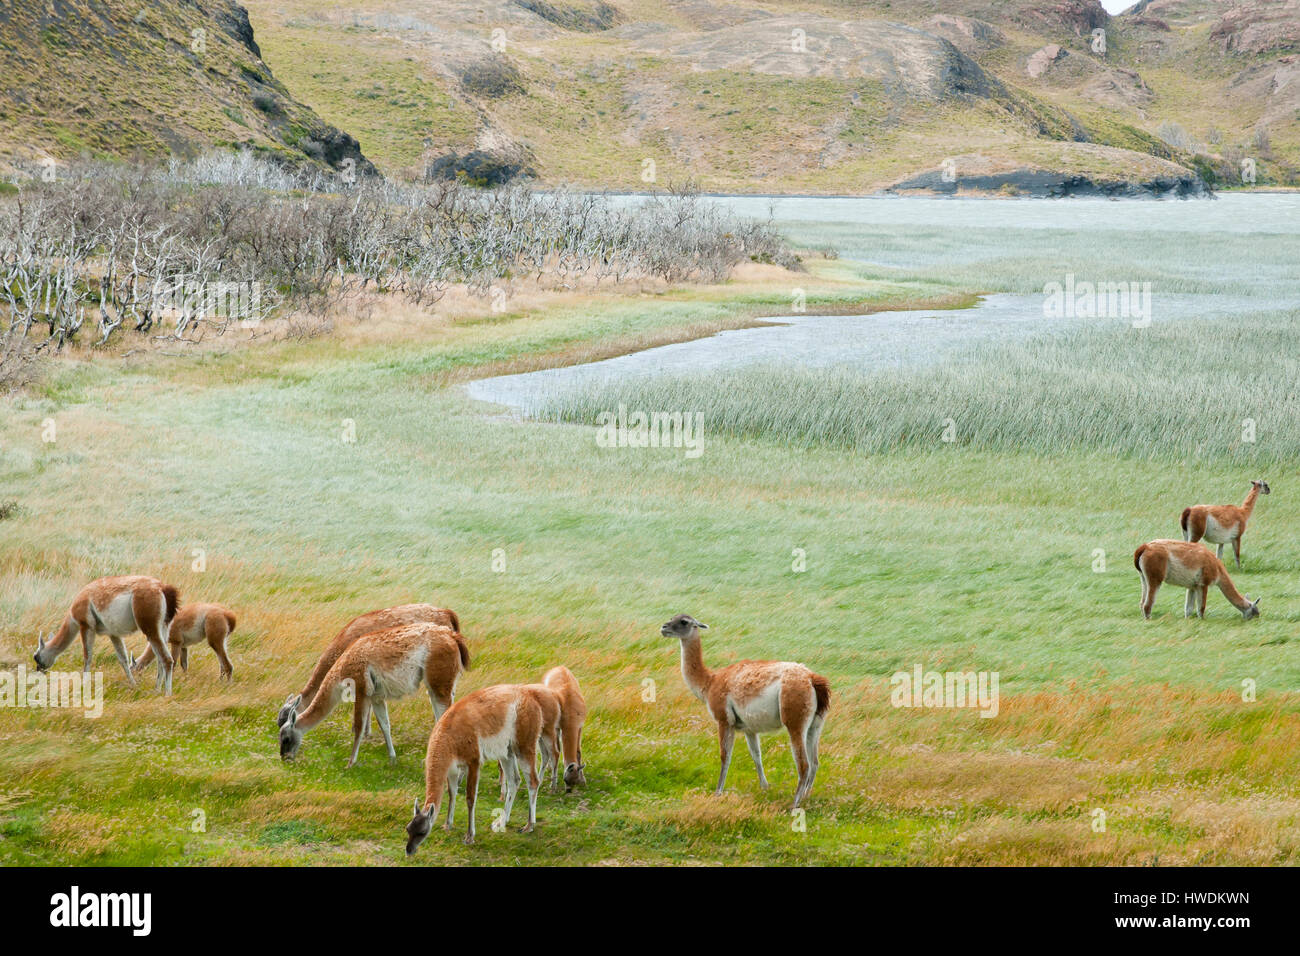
(1224,259)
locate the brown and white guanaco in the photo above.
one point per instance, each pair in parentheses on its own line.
(1187,565)
(117,607)
(504,723)
(380,667)
(358,627)
(573,715)
(194,623)
(756,697)
(1222,524)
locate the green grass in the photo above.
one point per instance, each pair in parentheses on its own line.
(975,555)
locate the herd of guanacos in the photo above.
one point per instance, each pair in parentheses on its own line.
(390,653)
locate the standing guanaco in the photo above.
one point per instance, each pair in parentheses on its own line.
(118,607)
(380,667)
(360,626)
(756,697)
(1222,524)
(504,723)
(193,623)
(573,714)
(1191,566)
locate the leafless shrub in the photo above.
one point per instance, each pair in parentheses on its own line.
(1177,137)
(194,248)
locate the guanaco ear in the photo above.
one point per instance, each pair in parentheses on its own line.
(418,811)
(701,625)
(40,641)
(293,719)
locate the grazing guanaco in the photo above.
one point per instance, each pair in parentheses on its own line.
(1222,524)
(503,723)
(1186,565)
(194,623)
(118,607)
(573,714)
(757,697)
(380,667)
(360,626)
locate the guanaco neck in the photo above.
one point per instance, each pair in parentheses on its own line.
(436,766)
(1235,597)
(1248,505)
(60,641)
(319,708)
(697,676)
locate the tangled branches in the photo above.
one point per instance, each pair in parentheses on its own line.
(196,248)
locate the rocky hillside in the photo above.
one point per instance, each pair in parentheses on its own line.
(149,79)
(818,96)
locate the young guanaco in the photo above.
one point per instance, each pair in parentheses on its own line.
(194,623)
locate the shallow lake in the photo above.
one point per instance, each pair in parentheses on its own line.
(1223,259)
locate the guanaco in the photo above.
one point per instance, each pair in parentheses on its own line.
(194,623)
(504,723)
(1186,565)
(118,607)
(1222,524)
(573,714)
(380,667)
(756,697)
(358,627)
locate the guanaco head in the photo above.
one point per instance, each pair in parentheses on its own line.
(1260,485)
(290,737)
(41,656)
(290,707)
(418,829)
(1251,610)
(573,776)
(682,626)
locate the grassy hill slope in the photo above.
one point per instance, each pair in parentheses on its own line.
(730,94)
(113,79)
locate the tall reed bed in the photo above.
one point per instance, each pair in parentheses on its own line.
(1170,391)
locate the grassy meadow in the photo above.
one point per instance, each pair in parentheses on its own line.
(324,477)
